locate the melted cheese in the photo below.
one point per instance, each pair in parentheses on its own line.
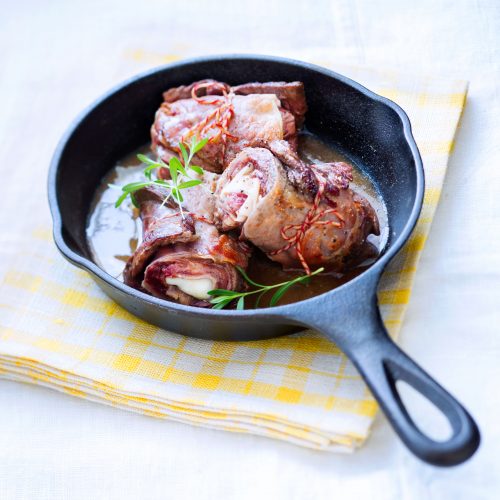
(244,182)
(196,287)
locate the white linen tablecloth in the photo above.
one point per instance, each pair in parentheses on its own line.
(53,446)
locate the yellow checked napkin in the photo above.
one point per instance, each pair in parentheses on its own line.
(57,329)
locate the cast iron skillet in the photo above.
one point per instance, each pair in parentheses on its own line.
(373,131)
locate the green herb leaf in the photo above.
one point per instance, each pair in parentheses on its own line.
(245,275)
(284,288)
(197,146)
(162,183)
(177,171)
(149,169)
(224,297)
(173,168)
(223,304)
(184,153)
(135,186)
(188,184)
(259,297)
(194,141)
(280,292)
(196,169)
(221,291)
(120,200)
(176,163)
(177,195)
(145,159)
(134,201)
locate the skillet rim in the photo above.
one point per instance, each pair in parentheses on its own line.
(276,311)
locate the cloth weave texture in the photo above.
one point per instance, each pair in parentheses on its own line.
(59,330)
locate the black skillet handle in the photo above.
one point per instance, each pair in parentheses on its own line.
(382,363)
(353,321)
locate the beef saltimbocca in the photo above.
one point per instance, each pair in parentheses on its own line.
(295,226)
(183,255)
(232,117)
(255,191)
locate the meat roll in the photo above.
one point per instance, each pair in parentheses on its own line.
(296,221)
(182,257)
(231,117)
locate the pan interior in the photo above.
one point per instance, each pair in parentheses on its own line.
(367,130)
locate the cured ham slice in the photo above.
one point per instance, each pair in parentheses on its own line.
(183,256)
(233,118)
(290,94)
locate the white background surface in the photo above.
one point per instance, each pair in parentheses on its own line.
(56,57)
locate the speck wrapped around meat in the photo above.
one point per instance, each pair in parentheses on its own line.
(326,225)
(290,94)
(183,257)
(233,118)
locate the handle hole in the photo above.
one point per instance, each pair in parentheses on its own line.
(427,417)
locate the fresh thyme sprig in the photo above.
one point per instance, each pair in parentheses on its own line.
(179,176)
(221,298)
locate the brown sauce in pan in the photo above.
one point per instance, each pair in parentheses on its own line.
(113,234)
